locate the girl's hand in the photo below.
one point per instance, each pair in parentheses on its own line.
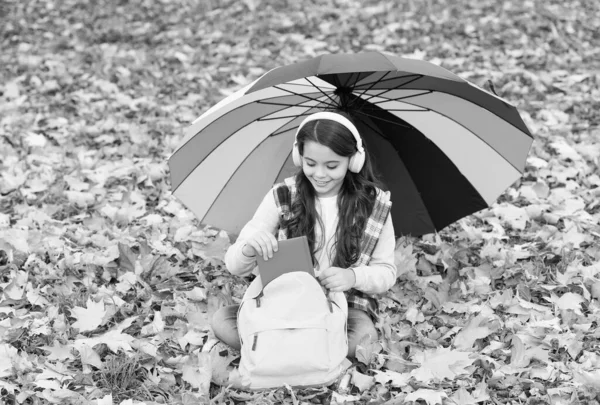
(262,243)
(337,279)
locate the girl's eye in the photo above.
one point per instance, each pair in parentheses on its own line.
(312,165)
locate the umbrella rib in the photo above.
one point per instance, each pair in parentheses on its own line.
(285,116)
(238,168)
(478,137)
(318,88)
(284,131)
(386,99)
(350,78)
(287,105)
(302,95)
(370,87)
(423,109)
(372,127)
(394,78)
(381,119)
(396,87)
(282,166)
(308,107)
(229,112)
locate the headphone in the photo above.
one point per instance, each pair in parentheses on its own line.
(357,160)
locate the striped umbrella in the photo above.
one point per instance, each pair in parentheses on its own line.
(445,148)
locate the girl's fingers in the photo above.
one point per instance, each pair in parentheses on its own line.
(256,246)
(274,242)
(266,242)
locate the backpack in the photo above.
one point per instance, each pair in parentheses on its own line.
(291,333)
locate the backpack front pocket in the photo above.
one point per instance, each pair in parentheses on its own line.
(288,352)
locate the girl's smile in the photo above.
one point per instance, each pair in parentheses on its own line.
(324,168)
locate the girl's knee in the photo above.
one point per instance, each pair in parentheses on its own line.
(360,324)
(224,325)
(222,319)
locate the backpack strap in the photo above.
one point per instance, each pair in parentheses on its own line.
(284,194)
(374,226)
(381,209)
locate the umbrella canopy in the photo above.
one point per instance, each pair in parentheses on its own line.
(444,147)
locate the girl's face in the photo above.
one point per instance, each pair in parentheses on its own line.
(324,168)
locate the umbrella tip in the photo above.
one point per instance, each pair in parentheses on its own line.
(491,86)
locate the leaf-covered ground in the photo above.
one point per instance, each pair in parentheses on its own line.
(107,282)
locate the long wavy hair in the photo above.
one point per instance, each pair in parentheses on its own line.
(355,201)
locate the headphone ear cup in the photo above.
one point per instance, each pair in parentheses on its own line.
(357,162)
(296,155)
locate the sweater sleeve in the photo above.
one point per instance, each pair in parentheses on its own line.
(266,218)
(380,274)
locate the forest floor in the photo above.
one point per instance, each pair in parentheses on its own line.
(107,282)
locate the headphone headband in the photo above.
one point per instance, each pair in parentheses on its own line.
(326,115)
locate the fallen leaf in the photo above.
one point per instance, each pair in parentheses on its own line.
(106,400)
(361,381)
(589,379)
(156,326)
(59,352)
(391,377)
(462,397)
(197,371)
(430,396)
(89,356)
(88,318)
(366,350)
(478,327)
(570,301)
(440,363)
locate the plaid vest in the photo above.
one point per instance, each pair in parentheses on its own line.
(285,194)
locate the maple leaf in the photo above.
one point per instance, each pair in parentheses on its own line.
(213,248)
(15,289)
(440,363)
(462,397)
(58,351)
(197,371)
(89,356)
(588,378)
(197,294)
(394,378)
(220,365)
(156,326)
(430,396)
(106,400)
(89,318)
(595,291)
(567,301)
(405,260)
(10,353)
(127,258)
(34,297)
(114,339)
(361,381)
(477,328)
(366,350)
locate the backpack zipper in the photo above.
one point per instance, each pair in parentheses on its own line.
(254,343)
(258,299)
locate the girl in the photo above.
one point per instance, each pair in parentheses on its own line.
(337,202)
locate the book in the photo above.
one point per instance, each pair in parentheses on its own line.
(292,255)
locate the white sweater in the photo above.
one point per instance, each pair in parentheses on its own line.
(378,277)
